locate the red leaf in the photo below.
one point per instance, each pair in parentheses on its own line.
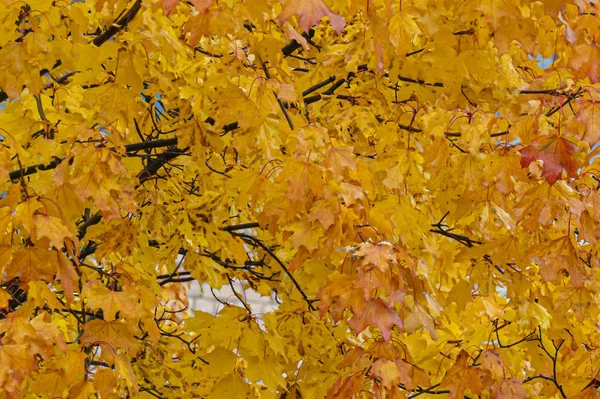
(200,5)
(310,13)
(556,153)
(169,5)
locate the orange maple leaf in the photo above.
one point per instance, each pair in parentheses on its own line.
(556,255)
(303,177)
(31,263)
(111,302)
(379,255)
(337,295)
(346,387)
(52,228)
(114,333)
(585,62)
(589,114)
(375,313)
(461,377)
(412,376)
(510,388)
(310,13)
(340,158)
(199,5)
(556,153)
(67,275)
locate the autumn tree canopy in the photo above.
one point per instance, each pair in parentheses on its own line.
(409,184)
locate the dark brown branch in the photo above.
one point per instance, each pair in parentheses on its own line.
(409,54)
(14,175)
(289,48)
(214,170)
(419,81)
(334,87)
(528,337)
(176,280)
(118,25)
(318,97)
(444,230)
(570,98)
(318,86)
(539,376)
(207,53)
(279,101)
(176,274)
(242,226)
(554,359)
(553,92)
(281,264)
(88,223)
(471,102)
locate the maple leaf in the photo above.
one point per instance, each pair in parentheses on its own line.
(114,333)
(510,388)
(111,302)
(590,392)
(199,5)
(346,387)
(375,313)
(197,143)
(104,381)
(291,34)
(491,360)
(124,369)
(169,5)
(462,377)
(387,371)
(337,293)
(67,275)
(585,62)
(378,255)
(588,112)
(310,13)
(556,255)
(31,263)
(15,362)
(303,177)
(51,383)
(412,376)
(420,318)
(52,228)
(557,153)
(339,159)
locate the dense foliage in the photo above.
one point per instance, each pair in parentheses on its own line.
(405,180)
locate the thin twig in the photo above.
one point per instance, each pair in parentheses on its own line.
(237,295)
(281,264)
(281,104)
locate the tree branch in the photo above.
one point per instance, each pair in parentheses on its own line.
(14,175)
(118,25)
(281,264)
